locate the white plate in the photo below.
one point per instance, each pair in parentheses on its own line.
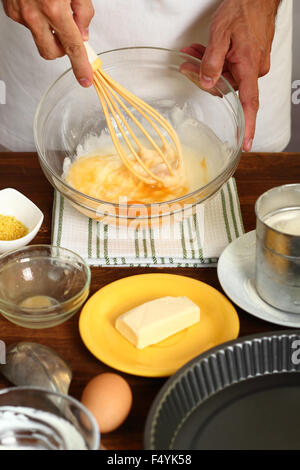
(236,272)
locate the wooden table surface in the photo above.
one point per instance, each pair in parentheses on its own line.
(255,174)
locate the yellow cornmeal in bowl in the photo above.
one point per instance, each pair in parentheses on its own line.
(11,228)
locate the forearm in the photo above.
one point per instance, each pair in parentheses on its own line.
(271,5)
(276,4)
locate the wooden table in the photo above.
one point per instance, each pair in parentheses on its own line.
(256,174)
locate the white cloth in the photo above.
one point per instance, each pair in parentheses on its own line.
(118,23)
(196,241)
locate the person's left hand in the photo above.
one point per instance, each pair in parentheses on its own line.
(241,36)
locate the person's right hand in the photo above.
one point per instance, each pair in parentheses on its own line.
(58,27)
(239,46)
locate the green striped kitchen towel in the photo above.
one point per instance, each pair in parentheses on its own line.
(196,241)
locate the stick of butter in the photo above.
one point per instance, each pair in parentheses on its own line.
(156,320)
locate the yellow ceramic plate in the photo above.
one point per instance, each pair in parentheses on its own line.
(219,322)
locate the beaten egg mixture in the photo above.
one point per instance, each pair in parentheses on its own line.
(103,175)
(97,171)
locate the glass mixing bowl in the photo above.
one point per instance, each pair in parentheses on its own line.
(167,80)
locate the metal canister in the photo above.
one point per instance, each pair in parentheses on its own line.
(278,252)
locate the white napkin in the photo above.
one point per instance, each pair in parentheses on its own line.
(196,241)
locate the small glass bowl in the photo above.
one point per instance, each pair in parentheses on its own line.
(44,420)
(42,285)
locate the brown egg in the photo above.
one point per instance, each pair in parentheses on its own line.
(108,397)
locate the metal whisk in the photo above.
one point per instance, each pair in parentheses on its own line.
(113,98)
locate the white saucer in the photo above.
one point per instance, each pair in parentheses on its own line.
(236,272)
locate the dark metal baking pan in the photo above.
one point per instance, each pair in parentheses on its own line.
(244,394)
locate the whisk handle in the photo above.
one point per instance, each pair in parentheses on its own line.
(92,56)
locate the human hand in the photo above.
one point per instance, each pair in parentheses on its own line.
(239,47)
(58,27)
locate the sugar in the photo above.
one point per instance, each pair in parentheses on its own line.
(27,428)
